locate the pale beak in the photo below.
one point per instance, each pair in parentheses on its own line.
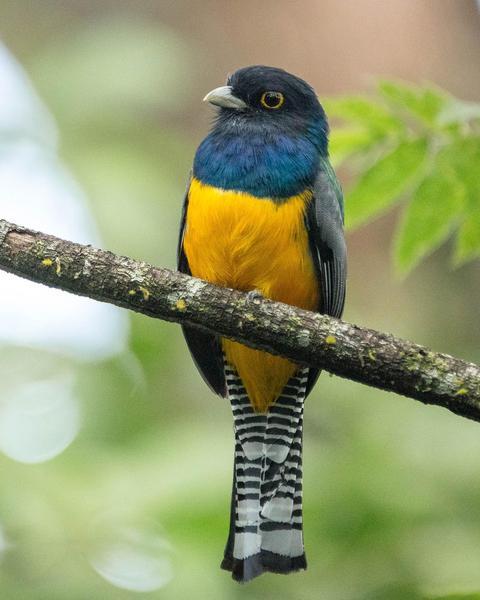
(222,96)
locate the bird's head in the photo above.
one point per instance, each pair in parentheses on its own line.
(270,98)
(268,136)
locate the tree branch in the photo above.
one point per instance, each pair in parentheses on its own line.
(363,355)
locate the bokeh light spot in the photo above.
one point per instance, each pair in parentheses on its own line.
(133,559)
(3,543)
(39,420)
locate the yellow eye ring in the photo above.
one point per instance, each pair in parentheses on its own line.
(272,100)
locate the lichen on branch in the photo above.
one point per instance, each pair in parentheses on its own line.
(363,355)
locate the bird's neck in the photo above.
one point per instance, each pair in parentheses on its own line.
(262,162)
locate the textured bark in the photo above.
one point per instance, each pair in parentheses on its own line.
(363,355)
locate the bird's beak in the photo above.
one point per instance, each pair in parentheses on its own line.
(222,96)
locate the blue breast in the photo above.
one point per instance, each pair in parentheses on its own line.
(260,163)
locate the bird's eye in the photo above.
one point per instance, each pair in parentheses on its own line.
(272,100)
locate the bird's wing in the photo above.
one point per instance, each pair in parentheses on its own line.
(324,221)
(204,347)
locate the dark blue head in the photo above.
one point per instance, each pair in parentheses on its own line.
(268,135)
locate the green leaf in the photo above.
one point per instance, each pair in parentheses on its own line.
(429,218)
(457,111)
(345,142)
(385,181)
(468,241)
(425,103)
(467,154)
(359,110)
(466,159)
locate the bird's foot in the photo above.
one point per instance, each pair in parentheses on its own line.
(254,295)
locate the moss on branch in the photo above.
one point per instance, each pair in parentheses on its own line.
(363,355)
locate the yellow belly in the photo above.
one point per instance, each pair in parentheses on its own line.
(235,240)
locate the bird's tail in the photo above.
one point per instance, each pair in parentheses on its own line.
(266,531)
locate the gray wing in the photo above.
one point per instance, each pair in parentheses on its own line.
(324,221)
(327,241)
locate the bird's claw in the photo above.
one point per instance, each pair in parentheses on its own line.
(254,295)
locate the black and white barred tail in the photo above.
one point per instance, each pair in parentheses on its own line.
(266,526)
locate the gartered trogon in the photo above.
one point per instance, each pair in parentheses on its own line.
(263,213)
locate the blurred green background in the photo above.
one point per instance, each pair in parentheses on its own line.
(392,488)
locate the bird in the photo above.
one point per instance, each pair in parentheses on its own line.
(263,213)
